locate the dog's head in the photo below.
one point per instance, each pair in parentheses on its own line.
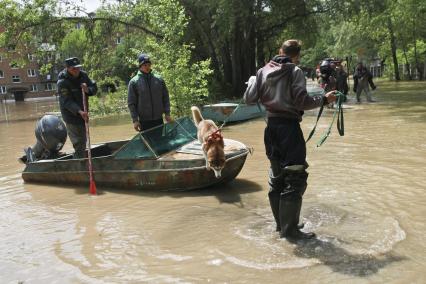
(214,149)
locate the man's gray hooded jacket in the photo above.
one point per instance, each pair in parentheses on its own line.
(281,88)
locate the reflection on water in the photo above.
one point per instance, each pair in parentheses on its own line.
(365,201)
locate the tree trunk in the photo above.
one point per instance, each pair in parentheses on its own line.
(393,49)
(407,65)
(416,59)
(227,66)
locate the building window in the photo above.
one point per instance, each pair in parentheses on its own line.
(1,74)
(78,26)
(3,90)
(16,79)
(30,57)
(34,88)
(119,40)
(13,65)
(49,87)
(31,73)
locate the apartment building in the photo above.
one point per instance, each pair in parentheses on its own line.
(22,81)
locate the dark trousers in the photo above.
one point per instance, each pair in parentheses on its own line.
(284,142)
(77,135)
(148,124)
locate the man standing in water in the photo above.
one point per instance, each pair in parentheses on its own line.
(147,97)
(362,80)
(71,82)
(281,87)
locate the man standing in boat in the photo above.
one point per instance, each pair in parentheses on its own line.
(281,87)
(147,97)
(71,82)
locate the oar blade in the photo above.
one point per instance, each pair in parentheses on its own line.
(93,190)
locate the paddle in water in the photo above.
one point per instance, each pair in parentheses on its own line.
(89,149)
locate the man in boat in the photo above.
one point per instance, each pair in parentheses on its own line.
(362,81)
(281,87)
(147,97)
(71,82)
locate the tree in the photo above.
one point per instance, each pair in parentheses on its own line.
(154,26)
(239,35)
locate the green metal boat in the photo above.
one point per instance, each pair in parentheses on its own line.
(167,157)
(232,112)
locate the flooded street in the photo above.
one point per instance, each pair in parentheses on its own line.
(365,201)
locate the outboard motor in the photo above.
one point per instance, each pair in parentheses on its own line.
(51,134)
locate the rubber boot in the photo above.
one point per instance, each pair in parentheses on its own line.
(291,203)
(276,185)
(289,209)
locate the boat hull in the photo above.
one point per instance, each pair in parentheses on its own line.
(175,171)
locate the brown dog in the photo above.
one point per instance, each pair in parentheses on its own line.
(211,140)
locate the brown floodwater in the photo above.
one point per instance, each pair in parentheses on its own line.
(365,200)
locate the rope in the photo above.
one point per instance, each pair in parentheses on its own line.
(340,121)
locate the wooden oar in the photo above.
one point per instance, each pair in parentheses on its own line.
(88,145)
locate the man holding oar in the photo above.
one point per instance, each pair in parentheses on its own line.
(281,87)
(72,81)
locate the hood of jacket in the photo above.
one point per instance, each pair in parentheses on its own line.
(275,70)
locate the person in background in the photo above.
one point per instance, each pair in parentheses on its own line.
(363,80)
(71,82)
(327,77)
(281,87)
(341,80)
(147,97)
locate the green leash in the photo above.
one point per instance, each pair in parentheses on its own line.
(340,121)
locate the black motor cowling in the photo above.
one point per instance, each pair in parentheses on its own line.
(51,134)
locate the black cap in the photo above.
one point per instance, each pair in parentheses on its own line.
(143,58)
(72,62)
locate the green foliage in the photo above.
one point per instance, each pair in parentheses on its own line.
(74,44)
(111,103)
(186,80)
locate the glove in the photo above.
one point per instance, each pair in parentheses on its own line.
(374,87)
(251,80)
(354,90)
